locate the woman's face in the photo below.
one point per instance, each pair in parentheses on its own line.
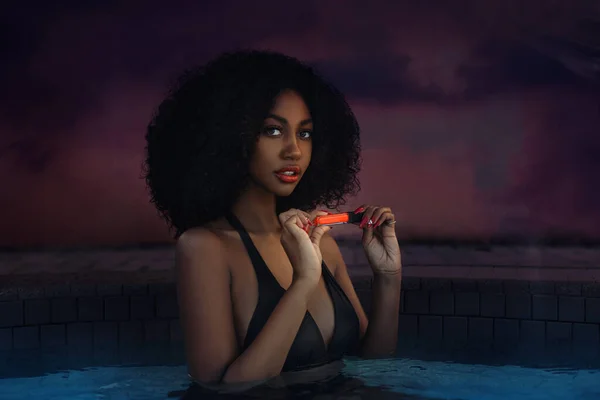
(284,146)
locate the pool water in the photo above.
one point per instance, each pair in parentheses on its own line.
(35,377)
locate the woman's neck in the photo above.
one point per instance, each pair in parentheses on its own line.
(256,210)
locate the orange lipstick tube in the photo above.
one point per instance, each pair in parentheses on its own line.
(338,219)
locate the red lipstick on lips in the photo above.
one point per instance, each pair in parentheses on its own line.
(289,174)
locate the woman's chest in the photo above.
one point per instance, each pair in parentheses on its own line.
(252,283)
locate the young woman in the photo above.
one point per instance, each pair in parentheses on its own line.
(239,155)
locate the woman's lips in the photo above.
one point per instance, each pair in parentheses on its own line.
(287,178)
(288,174)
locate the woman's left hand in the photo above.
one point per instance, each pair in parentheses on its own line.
(379,240)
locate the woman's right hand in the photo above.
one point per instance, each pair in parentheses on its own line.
(301,243)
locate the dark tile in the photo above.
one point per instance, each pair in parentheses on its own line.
(416,302)
(176,333)
(37,311)
(142,307)
(362,283)
(532,334)
(167,306)
(506,333)
(456,332)
(80,335)
(465,285)
(408,331)
(518,305)
(31,292)
(545,307)
(63,309)
(90,308)
(541,287)
(430,330)
(116,308)
(58,290)
(516,286)
(156,330)
(571,309)
(53,335)
(11,313)
(436,284)
(568,288)
(586,341)
(481,331)
(138,289)
(586,335)
(441,303)
(161,288)
(6,338)
(131,332)
(492,305)
(558,334)
(466,304)
(83,289)
(411,283)
(109,289)
(106,333)
(490,286)
(9,293)
(590,289)
(26,337)
(401,305)
(592,310)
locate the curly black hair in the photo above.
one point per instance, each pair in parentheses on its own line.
(202,136)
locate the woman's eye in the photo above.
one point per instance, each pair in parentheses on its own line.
(305,134)
(273,131)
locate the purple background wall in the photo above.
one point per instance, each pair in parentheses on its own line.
(480,119)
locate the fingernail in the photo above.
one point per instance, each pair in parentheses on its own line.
(359,209)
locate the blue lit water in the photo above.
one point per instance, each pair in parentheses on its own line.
(31,376)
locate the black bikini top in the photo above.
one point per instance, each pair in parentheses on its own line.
(309,348)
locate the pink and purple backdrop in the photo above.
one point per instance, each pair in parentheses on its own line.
(479,118)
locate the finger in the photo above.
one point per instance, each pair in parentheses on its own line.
(360,208)
(302,216)
(317,233)
(387,219)
(294,220)
(378,213)
(367,220)
(294,226)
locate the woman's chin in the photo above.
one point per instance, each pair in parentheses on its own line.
(284,192)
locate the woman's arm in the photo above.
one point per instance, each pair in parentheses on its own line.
(382,336)
(213,354)
(379,333)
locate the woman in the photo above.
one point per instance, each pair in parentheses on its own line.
(239,155)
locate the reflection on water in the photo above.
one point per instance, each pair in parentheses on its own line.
(352,379)
(325,382)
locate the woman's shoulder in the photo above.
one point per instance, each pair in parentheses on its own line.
(207,242)
(212,233)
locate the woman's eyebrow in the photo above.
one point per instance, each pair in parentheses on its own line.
(285,122)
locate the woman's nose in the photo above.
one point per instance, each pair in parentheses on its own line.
(291,149)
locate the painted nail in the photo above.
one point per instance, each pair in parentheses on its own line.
(359,210)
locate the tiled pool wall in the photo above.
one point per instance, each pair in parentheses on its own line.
(91,299)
